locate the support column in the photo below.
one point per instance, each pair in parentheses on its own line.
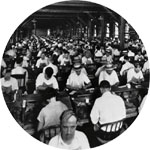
(89,30)
(121,34)
(34,26)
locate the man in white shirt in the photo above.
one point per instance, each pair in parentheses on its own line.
(9,86)
(42,62)
(78,80)
(107,108)
(50,114)
(99,51)
(108,56)
(126,66)
(18,68)
(135,75)
(50,64)
(139,56)
(64,59)
(69,138)
(108,73)
(45,80)
(87,59)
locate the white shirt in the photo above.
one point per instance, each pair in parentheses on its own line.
(98,53)
(79,81)
(111,78)
(132,74)
(41,79)
(12,82)
(115,52)
(108,58)
(54,67)
(50,114)
(41,61)
(79,142)
(18,70)
(108,108)
(126,66)
(131,54)
(62,60)
(87,60)
(146,66)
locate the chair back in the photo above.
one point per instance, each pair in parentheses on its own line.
(110,131)
(113,126)
(46,134)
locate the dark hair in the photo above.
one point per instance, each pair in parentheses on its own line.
(126,57)
(49,93)
(104,84)
(19,60)
(136,64)
(67,114)
(49,72)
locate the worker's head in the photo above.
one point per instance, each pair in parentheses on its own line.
(104,86)
(43,55)
(7,74)
(48,73)
(77,67)
(68,122)
(19,61)
(137,67)
(109,68)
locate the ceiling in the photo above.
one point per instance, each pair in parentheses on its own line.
(69,13)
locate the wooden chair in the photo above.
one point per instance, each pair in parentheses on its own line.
(45,135)
(110,131)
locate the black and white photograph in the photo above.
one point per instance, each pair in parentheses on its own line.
(74,75)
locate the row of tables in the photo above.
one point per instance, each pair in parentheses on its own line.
(82,101)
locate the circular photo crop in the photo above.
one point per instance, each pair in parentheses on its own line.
(75,75)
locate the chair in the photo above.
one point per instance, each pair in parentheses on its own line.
(110,131)
(21,78)
(45,135)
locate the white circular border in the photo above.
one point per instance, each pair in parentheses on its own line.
(12,13)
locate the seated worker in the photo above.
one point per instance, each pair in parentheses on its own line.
(123,54)
(99,51)
(87,58)
(46,80)
(42,61)
(64,59)
(139,56)
(108,73)
(9,86)
(108,56)
(50,114)
(106,109)
(51,64)
(126,66)
(69,138)
(78,80)
(135,75)
(19,69)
